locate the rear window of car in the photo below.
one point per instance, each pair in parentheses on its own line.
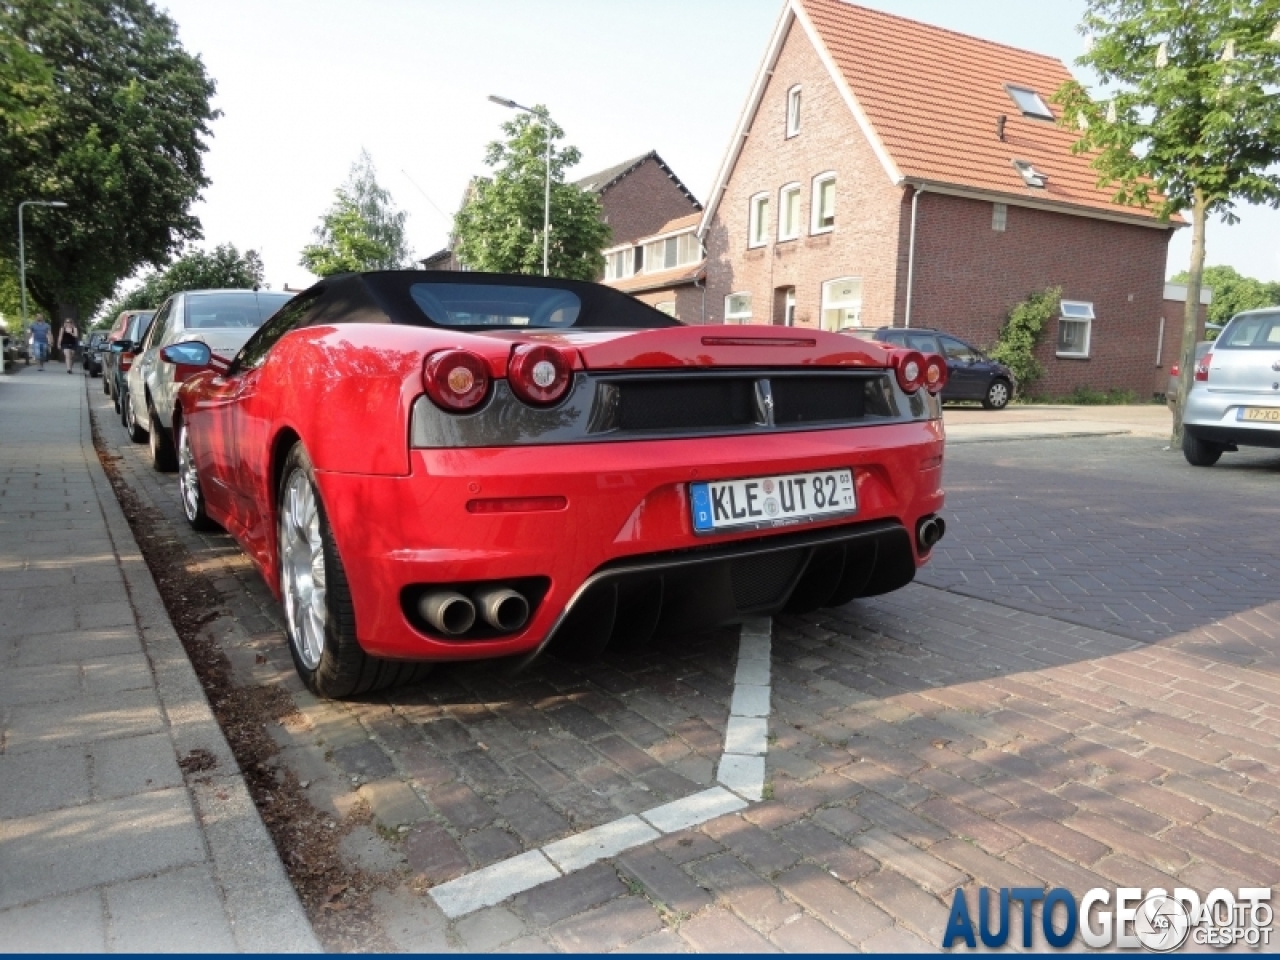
(232,311)
(139,324)
(494,305)
(1257,331)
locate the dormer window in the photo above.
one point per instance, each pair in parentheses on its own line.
(1030,175)
(1029,102)
(793,111)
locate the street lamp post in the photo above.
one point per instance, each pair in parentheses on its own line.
(22,249)
(546,200)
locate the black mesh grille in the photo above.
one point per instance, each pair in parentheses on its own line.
(674,403)
(762,580)
(818,399)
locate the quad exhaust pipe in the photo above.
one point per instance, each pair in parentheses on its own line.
(929,531)
(448,612)
(453,614)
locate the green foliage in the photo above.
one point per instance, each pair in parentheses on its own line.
(499,228)
(1022,329)
(1192,108)
(361,231)
(1087,396)
(118,133)
(224,267)
(1233,292)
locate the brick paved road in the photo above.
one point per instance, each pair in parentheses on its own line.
(919,742)
(1111,532)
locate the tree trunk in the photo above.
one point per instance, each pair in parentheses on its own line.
(1190,316)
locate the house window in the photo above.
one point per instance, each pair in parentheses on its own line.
(1030,175)
(1075,323)
(842,303)
(999,216)
(737,308)
(666,306)
(759,229)
(1029,102)
(824,203)
(793,111)
(789,212)
(617,265)
(671,252)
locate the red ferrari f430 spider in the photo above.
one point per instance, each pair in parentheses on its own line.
(432,466)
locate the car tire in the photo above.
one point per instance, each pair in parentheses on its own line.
(322,629)
(999,393)
(193,506)
(163,457)
(136,433)
(1200,453)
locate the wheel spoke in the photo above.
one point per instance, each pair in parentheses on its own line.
(303,569)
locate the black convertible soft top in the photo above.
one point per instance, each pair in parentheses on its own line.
(464,300)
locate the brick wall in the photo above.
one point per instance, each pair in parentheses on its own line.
(641,202)
(968,276)
(865,240)
(688,298)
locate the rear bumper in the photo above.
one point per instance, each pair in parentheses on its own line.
(625,528)
(1214,417)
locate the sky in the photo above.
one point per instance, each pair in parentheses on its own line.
(305,85)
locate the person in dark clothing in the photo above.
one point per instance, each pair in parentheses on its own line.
(69,341)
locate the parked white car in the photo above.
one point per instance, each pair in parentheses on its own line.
(1235,395)
(223,319)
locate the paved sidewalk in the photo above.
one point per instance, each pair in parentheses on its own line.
(1043,421)
(124,822)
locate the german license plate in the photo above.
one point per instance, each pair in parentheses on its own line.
(1259,414)
(771,501)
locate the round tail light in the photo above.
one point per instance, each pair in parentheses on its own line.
(910,370)
(539,374)
(935,373)
(456,380)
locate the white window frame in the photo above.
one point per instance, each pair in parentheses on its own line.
(815,203)
(629,260)
(999,217)
(795,100)
(839,304)
(739,317)
(1034,107)
(686,239)
(757,231)
(789,307)
(790,189)
(1075,311)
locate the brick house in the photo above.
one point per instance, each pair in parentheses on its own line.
(654,254)
(888,172)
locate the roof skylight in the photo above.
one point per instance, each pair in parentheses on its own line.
(1029,102)
(1030,175)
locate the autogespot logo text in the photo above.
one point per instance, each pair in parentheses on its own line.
(1155,919)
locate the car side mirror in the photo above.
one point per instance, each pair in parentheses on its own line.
(188,354)
(121,346)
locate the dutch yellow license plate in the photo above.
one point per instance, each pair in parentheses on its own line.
(1260,414)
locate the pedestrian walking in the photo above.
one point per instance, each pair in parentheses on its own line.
(41,334)
(69,341)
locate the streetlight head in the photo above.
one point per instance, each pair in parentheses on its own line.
(503,102)
(55,203)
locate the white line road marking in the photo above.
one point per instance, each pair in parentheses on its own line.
(743,775)
(749,701)
(747,736)
(583,849)
(494,884)
(741,769)
(693,810)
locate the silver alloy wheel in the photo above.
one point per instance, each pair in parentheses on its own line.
(998,394)
(302,569)
(188,479)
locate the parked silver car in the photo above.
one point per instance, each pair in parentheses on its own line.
(223,319)
(1174,389)
(1235,396)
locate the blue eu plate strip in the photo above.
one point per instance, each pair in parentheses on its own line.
(701,497)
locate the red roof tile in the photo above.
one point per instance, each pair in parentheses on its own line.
(932,97)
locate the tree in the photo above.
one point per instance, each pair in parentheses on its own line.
(118,134)
(1233,292)
(363,230)
(223,267)
(1192,114)
(499,227)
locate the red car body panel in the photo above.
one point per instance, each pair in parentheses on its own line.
(400,516)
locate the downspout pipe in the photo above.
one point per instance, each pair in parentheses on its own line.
(911,252)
